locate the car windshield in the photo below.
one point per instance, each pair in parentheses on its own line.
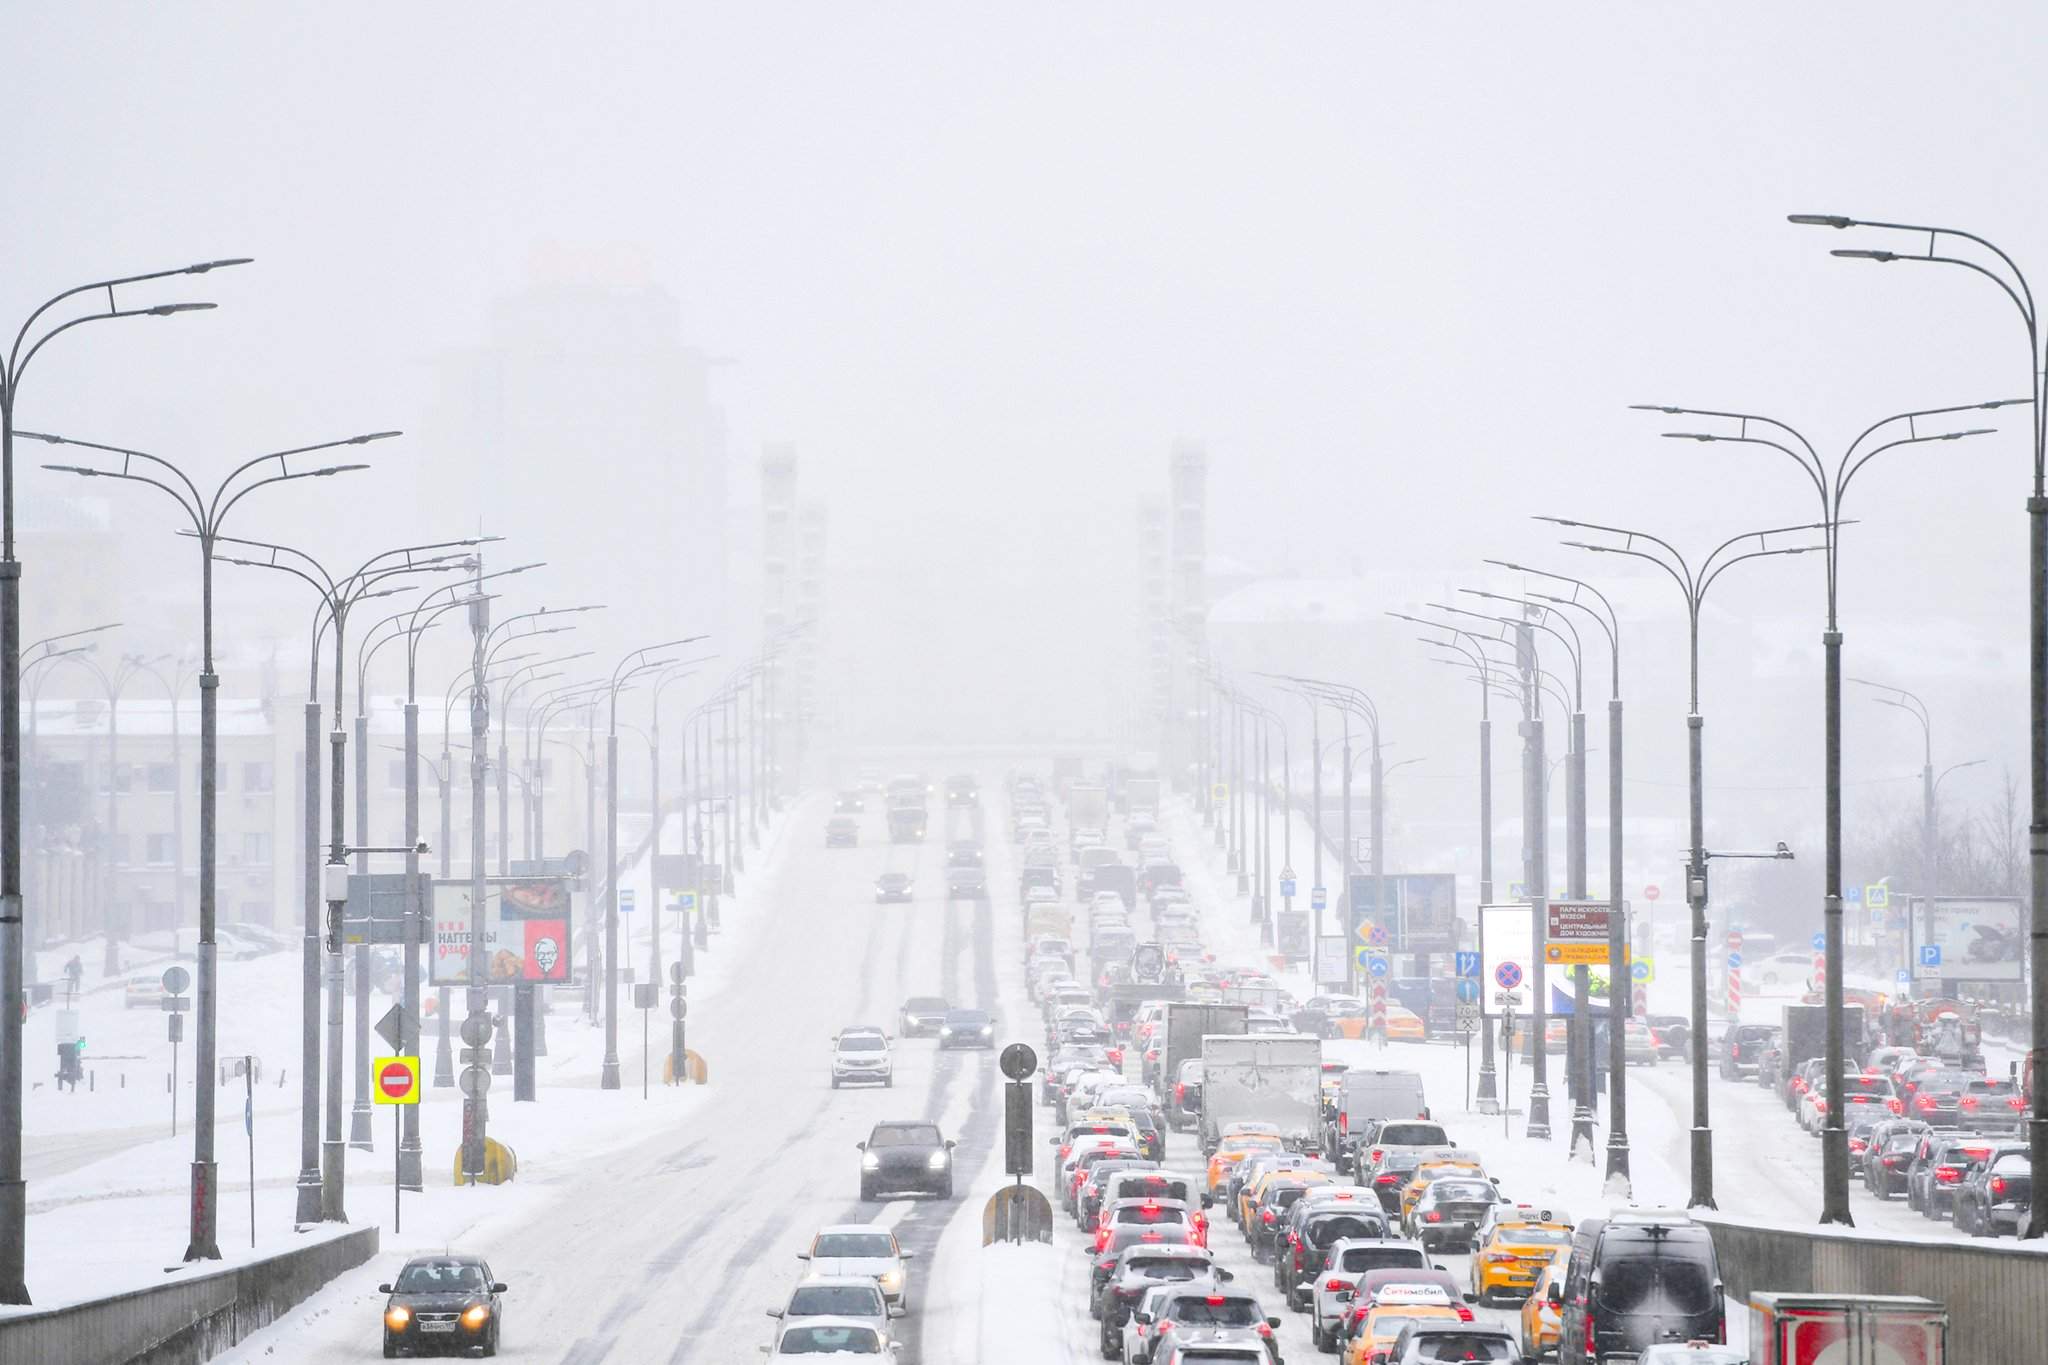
(1324,1231)
(1866,1085)
(1990,1087)
(854,1244)
(860,1042)
(1412,1135)
(1526,1233)
(1151,1213)
(1215,1310)
(1655,1284)
(1902,1142)
(1461,1346)
(1166,1269)
(835,1301)
(1362,1259)
(1448,1191)
(818,1341)
(904,1135)
(440,1277)
(1151,1187)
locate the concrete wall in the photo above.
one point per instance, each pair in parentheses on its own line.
(189,1319)
(1996,1291)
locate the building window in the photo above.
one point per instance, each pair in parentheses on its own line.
(256,848)
(160,850)
(256,778)
(163,777)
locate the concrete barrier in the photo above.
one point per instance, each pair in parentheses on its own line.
(188,1319)
(1995,1291)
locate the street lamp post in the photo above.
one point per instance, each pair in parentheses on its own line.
(207,513)
(1693,585)
(321,1187)
(2021,296)
(1488,1092)
(1830,485)
(636,662)
(1617,928)
(28,343)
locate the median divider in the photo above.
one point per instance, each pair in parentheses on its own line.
(187,1319)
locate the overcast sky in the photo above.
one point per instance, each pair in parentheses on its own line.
(1398,272)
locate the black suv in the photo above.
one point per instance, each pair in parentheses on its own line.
(1743,1047)
(906,1156)
(442,1303)
(1636,1279)
(1997,1193)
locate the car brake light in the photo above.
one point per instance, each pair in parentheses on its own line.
(1856,1144)
(1265,1329)
(1332,1286)
(2015,1103)
(1378,1152)
(1895,1105)
(1151,1206)
(1385,1179)
(1343,1123)
(1968,1102)
(1433,1216)
(1998,1187)
(1266,1215)
(1591,1352)
(1464,1313)
(1501,1257)
(1923,1101)
(1948,1175)
(1820,1105)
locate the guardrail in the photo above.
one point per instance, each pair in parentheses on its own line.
(188,1319)
(1994,1290)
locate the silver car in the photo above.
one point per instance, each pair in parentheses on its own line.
(846,1297)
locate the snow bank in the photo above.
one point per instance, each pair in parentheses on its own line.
(1019,1305)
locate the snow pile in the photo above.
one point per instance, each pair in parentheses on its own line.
(1020,1305)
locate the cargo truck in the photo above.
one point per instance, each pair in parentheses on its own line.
(1806,1036)
(1186,1024)
(1266,1078)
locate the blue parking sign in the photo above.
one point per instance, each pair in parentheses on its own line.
(1930,954)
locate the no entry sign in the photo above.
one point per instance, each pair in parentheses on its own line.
(398,1080)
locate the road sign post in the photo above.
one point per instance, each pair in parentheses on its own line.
(398,1084)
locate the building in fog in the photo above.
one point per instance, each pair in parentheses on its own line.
(585,377)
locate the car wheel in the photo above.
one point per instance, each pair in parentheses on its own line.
(1112,1342)
(835,1082)
(1323,1340)
(390,1351)
(491,1342)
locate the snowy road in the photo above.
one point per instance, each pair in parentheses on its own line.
(673,1246)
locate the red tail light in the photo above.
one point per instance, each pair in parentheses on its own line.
(1464,1313)
(1180,1092)
(1265,1329)
(1213,1300)
(1433,1217)
(1895,1105)
(2015,1103)
(1377,1153)
(1332,1286)
(1923,1102)
(1591,1352)
(1151,1054)
(1998,1187)
(1857,1144)
(1266,1216)
(1343,1123)
(1948,1175)
(1820,1106)
(1967,1102)
(1386,1178)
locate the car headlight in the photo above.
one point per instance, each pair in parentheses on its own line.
(945,1031)
(475,1316)
(870,1162)
(891,1281)
(397,1317)
(938,1160)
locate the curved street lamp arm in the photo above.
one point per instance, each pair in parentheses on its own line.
(1684,571)
(1755,554)
(1847,471)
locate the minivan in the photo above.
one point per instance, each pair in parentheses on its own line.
(1635,1279)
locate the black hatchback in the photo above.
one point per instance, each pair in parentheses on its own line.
(441,1304)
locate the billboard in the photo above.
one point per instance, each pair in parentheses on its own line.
(1982,938)
(1507,939)
(1421,915)
(526,931)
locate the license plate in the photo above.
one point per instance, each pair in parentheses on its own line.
(437,1326)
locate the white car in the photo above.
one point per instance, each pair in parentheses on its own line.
(1349,1259)
(813,1337)
(840,1297)
(861,1249)
(861,1056)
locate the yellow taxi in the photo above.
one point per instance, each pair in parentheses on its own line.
(1251,1199)
(1514,1254)
(1431,1170)
(1542,1326)
(1235,1148)
(1393,1310)
(1404,1025)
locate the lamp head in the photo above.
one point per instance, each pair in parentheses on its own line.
(1833,220)
(1851,254)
